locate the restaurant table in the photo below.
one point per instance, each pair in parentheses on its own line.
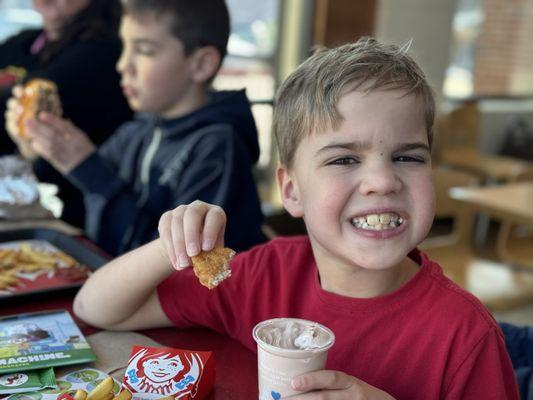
(235,365)
(55,224)
(501,284)
(511,202)
(491,168)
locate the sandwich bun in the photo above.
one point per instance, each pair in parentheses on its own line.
(38,95)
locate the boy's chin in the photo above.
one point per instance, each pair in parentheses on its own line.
(381,262)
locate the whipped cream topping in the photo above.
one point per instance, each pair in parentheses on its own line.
(293,334)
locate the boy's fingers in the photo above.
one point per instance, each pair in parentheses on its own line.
(14,105)
(317,380)
(193,225)
(17,91)
(178,240)
(39,132)
(166,237)
(213,233)
(57,124)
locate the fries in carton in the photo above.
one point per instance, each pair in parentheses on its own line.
(105,390)
(164,372)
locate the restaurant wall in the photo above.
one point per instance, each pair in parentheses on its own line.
(428,23)
(504,49)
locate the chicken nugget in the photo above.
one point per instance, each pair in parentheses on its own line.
(212,267)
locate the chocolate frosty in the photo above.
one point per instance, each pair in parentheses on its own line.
(286,348)
(293,334)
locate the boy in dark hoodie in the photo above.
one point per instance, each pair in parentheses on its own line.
(185,143)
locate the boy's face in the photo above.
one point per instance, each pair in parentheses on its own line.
(157,77)
(375,167)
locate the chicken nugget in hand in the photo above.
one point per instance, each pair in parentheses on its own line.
(212,267)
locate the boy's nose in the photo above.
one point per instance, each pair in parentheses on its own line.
(379,180)
(123,63)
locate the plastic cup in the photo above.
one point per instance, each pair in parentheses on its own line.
(278,365)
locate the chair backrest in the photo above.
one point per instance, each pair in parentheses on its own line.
(457,128)
(446,207)
(462,126)
(514,243)
(445,179)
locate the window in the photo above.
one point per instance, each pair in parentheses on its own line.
(492,51)
(16,15)
(459,81)
(250,62)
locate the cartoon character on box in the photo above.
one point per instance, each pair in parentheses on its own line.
(164,372)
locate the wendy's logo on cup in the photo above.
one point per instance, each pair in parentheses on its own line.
(164,372)
(275,395)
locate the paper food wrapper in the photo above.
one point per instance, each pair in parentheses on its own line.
(157,372)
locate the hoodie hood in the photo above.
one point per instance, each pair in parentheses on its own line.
(224,107)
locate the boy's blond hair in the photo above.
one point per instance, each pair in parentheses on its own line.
(306,102)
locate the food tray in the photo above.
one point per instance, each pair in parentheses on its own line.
(85,253)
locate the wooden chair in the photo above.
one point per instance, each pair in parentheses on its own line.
(457,145)
(514,244)
(498,285)
(462,126)
(448,208)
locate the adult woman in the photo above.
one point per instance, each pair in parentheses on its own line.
(77,48)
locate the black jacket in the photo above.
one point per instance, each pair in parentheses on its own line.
(89,88)
(150,166)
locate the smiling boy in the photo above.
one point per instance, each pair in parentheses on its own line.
(186,142)
(354,131)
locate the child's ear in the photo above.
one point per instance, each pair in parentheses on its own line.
(290,194)
(205,63)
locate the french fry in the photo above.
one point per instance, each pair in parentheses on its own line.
(7,281)
(102,390)
(68,260)
(80,394)
(27,259)
(124,394)
(37,256)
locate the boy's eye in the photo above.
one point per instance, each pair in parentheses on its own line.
(144,50)
(343,161)
(416,159)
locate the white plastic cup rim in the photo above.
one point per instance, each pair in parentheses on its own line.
(294,353)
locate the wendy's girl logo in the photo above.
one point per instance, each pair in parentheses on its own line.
(163,371)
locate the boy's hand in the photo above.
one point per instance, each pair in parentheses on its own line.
(58,141)
(335,385)
(12,116)
(188,229)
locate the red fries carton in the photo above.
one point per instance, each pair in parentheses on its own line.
(157,372)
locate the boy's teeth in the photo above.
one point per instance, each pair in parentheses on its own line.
(377,221)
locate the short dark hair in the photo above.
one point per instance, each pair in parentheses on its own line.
(196,23)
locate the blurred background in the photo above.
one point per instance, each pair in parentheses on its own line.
(478,56)
(470,49)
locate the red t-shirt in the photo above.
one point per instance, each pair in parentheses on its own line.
(427,340)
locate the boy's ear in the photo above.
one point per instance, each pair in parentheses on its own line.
(289,191)
(204,63)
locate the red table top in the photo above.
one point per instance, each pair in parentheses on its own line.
(236,366)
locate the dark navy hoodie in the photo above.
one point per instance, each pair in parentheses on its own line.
(151,165)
